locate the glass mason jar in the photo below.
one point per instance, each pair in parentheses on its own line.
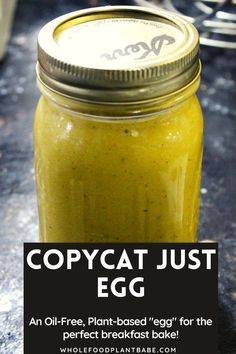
(118,128)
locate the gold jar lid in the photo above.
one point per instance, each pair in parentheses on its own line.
(118,54)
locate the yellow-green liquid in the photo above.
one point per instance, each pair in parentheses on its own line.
(133,180)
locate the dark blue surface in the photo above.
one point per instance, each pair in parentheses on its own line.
(18,218)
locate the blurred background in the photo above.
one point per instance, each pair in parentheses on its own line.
(20,23)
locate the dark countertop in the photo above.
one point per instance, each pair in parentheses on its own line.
(18,215)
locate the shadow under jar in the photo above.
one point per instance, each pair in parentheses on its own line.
(118,128)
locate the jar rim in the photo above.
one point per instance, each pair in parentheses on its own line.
(120,110)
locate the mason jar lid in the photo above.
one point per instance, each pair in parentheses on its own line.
(118,54)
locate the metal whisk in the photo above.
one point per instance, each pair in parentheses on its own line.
(215,19)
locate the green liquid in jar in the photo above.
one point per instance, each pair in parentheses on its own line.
(132,180)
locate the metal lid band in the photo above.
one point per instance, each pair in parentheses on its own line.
(117,53)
